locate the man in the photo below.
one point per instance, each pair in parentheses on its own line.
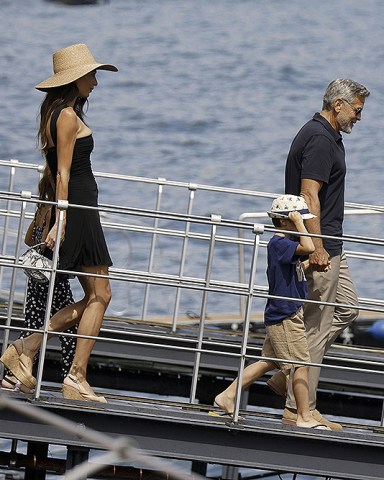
(316,169)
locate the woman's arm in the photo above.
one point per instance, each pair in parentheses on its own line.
(67,127)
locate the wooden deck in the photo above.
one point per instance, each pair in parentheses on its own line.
(189,432)
(185,431)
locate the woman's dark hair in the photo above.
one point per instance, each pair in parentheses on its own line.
(58,97)
(47,185)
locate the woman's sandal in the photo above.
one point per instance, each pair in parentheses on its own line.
(72,389)
(12,384)
(18,363)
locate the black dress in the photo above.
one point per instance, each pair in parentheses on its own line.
(84,243)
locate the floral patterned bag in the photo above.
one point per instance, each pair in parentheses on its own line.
(34,258)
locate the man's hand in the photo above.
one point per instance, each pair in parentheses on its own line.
(319,260)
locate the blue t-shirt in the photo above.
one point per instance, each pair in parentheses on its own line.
(285,278)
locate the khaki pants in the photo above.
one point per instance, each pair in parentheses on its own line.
(324,323)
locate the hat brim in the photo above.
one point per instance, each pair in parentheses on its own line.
(68,76)
(304,216)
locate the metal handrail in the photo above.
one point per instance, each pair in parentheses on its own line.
(213,232)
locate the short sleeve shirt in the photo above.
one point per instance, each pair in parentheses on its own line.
(317,153)
(285,278)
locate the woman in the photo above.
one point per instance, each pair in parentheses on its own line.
(66,142)
(37,293)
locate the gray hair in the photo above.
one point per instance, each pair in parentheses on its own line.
(343,88)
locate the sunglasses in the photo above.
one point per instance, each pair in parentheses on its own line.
(357,110)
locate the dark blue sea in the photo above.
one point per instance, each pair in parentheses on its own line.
(208,91)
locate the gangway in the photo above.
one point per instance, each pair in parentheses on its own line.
(183,259)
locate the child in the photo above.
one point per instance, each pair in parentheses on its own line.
(285,332)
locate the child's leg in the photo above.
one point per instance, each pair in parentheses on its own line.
(226,399)
(289,343)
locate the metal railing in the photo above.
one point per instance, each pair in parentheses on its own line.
(207,258)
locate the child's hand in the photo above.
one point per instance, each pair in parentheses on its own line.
(319,260)
(296,218)
(305,264)
(328,267)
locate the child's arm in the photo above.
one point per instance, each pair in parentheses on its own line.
(305,246)
(305,264)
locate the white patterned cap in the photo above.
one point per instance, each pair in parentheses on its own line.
(285,204)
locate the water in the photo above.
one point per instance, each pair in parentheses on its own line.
(209,92)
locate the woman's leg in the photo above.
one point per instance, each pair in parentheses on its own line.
(98,294)
(63,296)
(19,357)
(97,297)
(62,320)
(35,301)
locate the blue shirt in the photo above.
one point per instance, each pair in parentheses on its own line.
(285,278)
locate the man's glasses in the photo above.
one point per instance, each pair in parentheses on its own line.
(357,110)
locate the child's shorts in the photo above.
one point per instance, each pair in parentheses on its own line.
(287,340)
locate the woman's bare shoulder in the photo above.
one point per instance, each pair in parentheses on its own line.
(68,121)
(68,114)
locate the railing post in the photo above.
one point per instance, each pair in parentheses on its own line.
(12,174)
(153,245)
(242,218)
(241,268)
(192,188)
(215,219)
(61,205)
(14,271)
(257,230)
(382,415)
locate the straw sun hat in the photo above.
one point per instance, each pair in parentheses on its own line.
(70,64)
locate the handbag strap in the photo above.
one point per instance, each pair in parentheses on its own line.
(35,247)
(38,245)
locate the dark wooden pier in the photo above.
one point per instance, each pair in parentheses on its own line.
(188,431)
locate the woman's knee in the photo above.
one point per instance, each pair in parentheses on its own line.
(102,292)
(98,288)
(107,294)
(99,299)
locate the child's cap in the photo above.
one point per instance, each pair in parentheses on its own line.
(285,204)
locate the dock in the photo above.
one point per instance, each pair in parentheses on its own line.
(196,432)
(161,363)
